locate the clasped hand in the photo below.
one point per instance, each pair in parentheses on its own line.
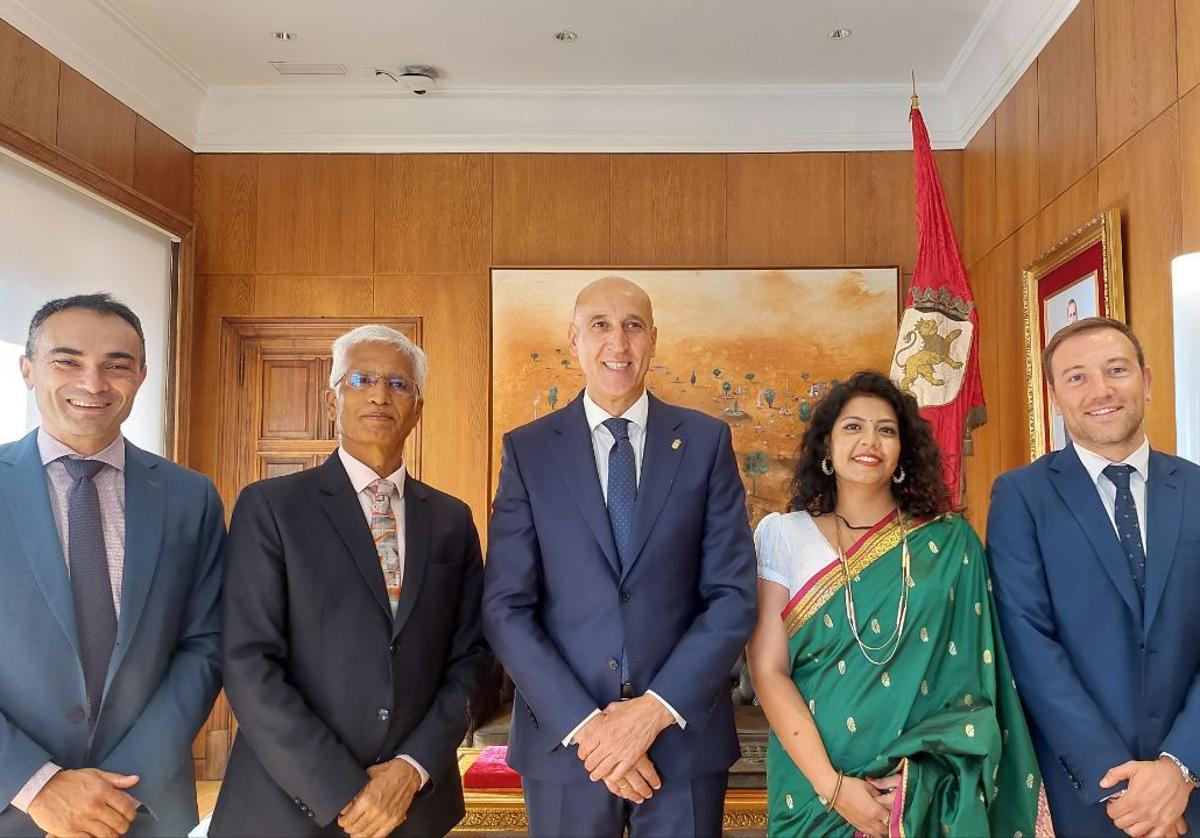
(1153,802)
(613,746)
(86,802)
(382,804)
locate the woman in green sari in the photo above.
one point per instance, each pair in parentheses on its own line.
(877,657)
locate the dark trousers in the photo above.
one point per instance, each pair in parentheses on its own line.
(683,808)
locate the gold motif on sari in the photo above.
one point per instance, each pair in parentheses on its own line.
(968,699)
(933,548)
(924,688)
(924,634)
(952,648)
(970,731)
(841,667)
(987,656)
(850,725)
(875,627)
(979,609)
(828,621)
(1029,781)
(886,679)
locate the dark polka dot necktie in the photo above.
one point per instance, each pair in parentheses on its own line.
(622,488)
(91,586)
(1129,531)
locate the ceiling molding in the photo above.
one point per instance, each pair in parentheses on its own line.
(100,41)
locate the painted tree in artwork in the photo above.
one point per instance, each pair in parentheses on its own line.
(552,396)
(749,376)
(566,363)
(726,386)
(769,397)
(693,379)
(805,412)
(755,464)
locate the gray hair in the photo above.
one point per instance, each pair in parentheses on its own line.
(375,333)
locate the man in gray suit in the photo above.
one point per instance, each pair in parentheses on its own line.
(109,599)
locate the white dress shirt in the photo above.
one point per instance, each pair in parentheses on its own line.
(602,443)
(1140,460)
(361,476)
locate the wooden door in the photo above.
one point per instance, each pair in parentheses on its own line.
(274,374)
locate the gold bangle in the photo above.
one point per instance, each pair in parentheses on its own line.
(837,789)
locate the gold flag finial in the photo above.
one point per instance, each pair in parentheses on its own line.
(916,100)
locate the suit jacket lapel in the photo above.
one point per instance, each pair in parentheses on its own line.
(145,514)
(1164,517)
(1080,495)
(660,462)
(417,534)
(572,447)
(27,494)
(345,512)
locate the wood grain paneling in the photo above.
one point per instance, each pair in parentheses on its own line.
(1189,127)
(456,337)
(880,209)
(28,85)
(95,127)
(983,465)
(315,214)
(163,168)
(1135,67)
(1017,155)
(226,210)
(1142,179)
(979,193)
(312,296)
(433,213)
(1068,212)
(1008,325)
(668,209)
(1187,40)
(551,209)
(787,209)
(1066,76)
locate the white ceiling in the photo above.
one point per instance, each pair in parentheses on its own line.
(682,75)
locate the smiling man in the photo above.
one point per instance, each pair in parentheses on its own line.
(109,595)
(352,638)
(618,592)
(1095,552)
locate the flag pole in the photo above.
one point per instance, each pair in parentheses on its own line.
(916,100)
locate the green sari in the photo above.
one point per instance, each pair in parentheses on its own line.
(943,712)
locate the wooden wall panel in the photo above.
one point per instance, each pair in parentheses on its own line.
(433,213)
(787,209)
(226,210)
(983,465)
(162,168)
(551,209)
(880,210)
(1017,198)
(1142,178)
(1008,328)
(1187,40)
(95,127)
(312,296)
(979,193)
(1068,212)
(28,85)
(457,338)
(1135,66)
(315,214)
(1189,128)
(1066,78)
(668,209)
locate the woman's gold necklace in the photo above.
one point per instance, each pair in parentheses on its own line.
(893,640)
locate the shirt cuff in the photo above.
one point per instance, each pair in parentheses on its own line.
(34,785)
(679,720)
(420,769)
(569,739)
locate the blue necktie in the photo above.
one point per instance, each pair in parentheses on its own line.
(1129,531)
(622,489)
(91,587)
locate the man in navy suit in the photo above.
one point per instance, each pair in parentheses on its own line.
(110,595)
(619,590)
(1095,551)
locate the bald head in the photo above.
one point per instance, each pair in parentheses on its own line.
(607,286)
(612,334)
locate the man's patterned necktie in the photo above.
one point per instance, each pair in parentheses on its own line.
(383,530)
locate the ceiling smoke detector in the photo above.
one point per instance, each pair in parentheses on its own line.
(418,79)
(840,34)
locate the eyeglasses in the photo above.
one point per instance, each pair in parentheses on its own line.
(398,384)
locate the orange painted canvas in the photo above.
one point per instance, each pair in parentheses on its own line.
(754,347)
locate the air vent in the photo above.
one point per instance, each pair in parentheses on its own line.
(297,68)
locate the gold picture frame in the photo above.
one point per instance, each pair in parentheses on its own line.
(1081,276)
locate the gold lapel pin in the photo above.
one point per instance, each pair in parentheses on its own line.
(675,445)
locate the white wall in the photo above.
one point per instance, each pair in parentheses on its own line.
(56,241)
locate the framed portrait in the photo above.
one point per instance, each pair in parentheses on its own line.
(1079,277)
(755,347)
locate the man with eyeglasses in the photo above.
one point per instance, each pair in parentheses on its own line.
(352,625)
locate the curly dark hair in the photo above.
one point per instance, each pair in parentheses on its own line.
(923,494)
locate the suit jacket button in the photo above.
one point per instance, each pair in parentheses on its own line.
(383,714)
(391,648)
(624,596)
(76,714)
(613,665)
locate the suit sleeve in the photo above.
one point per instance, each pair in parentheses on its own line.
(20,759)
(512,579)
(295,746)
(434,741)
(698,668)
(161,738)
(1061,708)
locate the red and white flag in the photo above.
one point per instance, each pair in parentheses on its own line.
(937,358)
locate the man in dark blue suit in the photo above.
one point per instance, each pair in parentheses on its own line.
(110,584)
(619,590)
(1095,552)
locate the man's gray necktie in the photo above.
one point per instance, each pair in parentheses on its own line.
(1128,528)
(91,587)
